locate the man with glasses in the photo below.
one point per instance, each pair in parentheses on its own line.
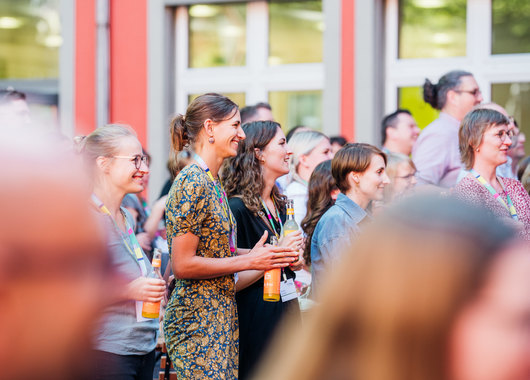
(436,154)
(14,110)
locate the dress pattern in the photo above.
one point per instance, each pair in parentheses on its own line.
(201,323)
(470,190)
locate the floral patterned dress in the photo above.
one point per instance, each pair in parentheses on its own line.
(200,325)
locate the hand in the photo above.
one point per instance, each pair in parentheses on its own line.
(146,289)
(265,257)
(297,265)
(294,240)
(144,240)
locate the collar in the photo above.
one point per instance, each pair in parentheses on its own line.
(351,208)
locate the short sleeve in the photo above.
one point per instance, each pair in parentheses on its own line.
(186,204)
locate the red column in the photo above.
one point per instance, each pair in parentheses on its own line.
(348,70)
(85,67)
(128,71)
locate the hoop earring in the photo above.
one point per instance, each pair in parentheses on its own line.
(211,140)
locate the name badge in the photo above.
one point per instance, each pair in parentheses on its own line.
(288,290)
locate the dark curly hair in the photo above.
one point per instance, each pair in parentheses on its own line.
(242,175)
(321,184)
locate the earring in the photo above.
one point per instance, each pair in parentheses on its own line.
(477,150)
(211,140)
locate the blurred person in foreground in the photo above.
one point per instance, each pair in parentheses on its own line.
(435,153)
(125,341)
(408,303)
(14,110)
(485,137)
(54,272)
(258,206)
(399,132)
(401,171)
(359,173)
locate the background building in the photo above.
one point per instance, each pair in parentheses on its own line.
(335,65)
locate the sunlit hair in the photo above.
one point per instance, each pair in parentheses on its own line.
(352,158)
(321,184)
(472,130)
(388,309)
(103,142)
(303,143)
(394,160)
(242,175)
(436,94)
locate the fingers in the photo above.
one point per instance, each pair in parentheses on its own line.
(263,239)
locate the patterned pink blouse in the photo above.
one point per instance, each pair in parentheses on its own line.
(469,189)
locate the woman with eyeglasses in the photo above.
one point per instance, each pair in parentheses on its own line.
(125,341)
(400,170)
(485,138)
(201,323)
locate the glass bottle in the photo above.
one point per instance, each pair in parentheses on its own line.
(152,309)
(271,280)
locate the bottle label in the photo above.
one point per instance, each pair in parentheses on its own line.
(290,211)
(151,309)
(271,281)
(287,232)
(156,263)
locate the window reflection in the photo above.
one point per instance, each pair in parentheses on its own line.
(515,98)
(411,98)
(510,26)
(295,32)
(292,108)
(217,35)
(30,37)
(432,28)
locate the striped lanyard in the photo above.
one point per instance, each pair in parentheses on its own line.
(510,207)
(223,201)
(269,216)
(135,250)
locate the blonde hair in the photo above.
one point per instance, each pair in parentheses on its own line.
(388,309)
(104,141)
(392,165)
(303,143)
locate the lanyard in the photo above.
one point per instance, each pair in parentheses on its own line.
(221,196)
(269,216)
(510,207)
(137,254)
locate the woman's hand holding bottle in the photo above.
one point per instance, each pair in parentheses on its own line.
(265,256)
(146,289)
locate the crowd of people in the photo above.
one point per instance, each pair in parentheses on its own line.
(411,260)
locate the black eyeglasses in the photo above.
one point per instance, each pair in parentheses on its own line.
(137,160)
(474,92)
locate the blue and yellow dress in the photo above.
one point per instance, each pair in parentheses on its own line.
(200,324)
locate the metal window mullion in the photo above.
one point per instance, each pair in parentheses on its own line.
(257,51)
(181,58)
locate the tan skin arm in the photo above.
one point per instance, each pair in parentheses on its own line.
(187,265)
(157,213)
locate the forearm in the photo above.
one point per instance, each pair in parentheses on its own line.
(199,268)
(247,278)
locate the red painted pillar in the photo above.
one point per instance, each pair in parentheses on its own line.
(348,70)
(128,67)
(85,67)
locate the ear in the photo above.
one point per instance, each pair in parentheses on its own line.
(258,154)
(451,97)
(302,160)
(102,163)
(208,127)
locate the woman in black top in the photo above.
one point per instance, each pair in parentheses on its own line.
(258,206)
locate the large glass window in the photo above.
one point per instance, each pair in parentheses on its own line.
(411,98)
(432,28)
(510,26)
(295,32)
(217,35)
(292,108)
(515,98)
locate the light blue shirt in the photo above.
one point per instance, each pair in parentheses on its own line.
(333,234)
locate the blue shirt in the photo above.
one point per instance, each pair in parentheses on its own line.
(334,233)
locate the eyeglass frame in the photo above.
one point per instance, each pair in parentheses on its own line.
(506,133)
(475,92)
(138,159)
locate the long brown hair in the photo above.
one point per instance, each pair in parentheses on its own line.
(321,184)
(388,310)
(242,175)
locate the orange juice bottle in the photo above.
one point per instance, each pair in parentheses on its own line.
(152,309)
(271,281)
(290,224)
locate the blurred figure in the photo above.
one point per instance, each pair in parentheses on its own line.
(14,111)
(125,341)
(309,148)
(523,165)
(517,149)
(485,138)
(436,154)
(337,142)
(296,129)
(399,132)
(54,272)
(407,303)
(359,172)
(258,206)
(259,112)
(401,171)
(525,179)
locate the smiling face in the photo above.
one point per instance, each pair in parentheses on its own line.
(227,135)
(371,182)
(320,153)
(493,150)
(404,179)
(405,133)
(468,95)
(122,172)
(275,156)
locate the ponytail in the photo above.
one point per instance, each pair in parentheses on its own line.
(430,92)
(178,133)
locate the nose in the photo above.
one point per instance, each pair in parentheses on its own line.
(479,97)
(386,180)
(143,167)
(289,150)
(241,133)
(507,141)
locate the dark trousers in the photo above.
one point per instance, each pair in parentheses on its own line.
(109,366)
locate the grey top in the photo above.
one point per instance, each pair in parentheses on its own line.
(118,331)
(334,233)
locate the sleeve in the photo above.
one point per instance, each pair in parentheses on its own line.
(186,206)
